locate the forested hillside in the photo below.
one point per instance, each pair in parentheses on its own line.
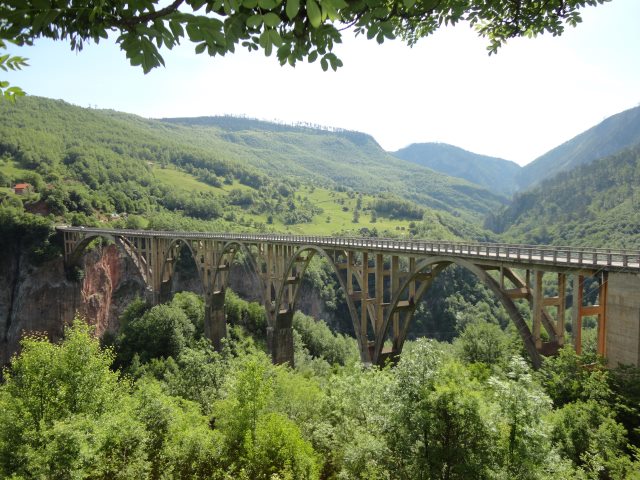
(596,204)
(495,174)
(89,165)
(342,159)
(607,138)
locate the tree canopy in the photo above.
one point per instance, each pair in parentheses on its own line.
(293,29)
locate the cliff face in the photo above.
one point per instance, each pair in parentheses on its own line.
(42,299)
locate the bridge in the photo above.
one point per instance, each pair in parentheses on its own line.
(384,280)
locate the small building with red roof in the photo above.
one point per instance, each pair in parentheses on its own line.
(22,188)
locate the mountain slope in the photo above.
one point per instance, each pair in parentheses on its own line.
(614,134)
(95,165)
(495,174)
(338,158)
(596,204)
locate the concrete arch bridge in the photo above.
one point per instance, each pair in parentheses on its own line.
(385,279)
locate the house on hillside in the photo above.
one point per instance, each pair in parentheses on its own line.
(22,188)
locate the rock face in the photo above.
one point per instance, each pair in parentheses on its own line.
(42,299)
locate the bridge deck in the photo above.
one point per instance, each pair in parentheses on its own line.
(574,258)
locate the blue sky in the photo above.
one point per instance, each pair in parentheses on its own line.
(532,96)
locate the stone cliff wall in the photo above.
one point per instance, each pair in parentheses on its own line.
(42,299)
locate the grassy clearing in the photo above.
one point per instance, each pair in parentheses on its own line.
(10,169)
(182,181)
(337,216)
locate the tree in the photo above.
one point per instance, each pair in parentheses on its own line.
(295,29)
(522,442)
(10,62)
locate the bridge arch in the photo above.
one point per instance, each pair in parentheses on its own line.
(123,244)
(313,251)
(220,278)
(167,270)
(436,265)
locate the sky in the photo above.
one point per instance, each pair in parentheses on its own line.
(529,98)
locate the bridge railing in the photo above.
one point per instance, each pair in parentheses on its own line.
(569,256)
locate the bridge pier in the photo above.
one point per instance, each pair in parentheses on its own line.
(622,339)
(215,323)
(280,338)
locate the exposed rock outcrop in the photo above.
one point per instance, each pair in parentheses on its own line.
(42,299)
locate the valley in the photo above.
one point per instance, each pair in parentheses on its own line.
(191,411)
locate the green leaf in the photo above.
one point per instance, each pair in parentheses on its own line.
(41,4)
(292,9)
(271,19)
(264,39)
(275,38)
(250,4)
(267,4)
(314,13)
(324,64)
(194,33)
(200,48)
(254,21)
(408,3)
(337,4)
(176,28)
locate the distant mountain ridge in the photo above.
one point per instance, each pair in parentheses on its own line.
(495,174)
(610,136)
(597,204)
(344,158)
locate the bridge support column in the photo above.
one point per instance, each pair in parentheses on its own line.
(280,338)
(215,324)
(576,317)
(622,337)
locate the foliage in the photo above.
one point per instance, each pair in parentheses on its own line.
(495,174)
(10,62)
(294,30)
(388,206)
(593,204)
(232,414)
(483,342)
(161,332)
(320,342)
(438,431)
(250,315)
(523,439)
(277,448)
(567,378)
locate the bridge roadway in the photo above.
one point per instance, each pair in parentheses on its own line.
(381,296)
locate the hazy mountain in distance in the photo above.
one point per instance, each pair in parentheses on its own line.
(612,135)
(342,158)
(495,174)
(597,204)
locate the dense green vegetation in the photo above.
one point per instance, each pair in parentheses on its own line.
(336,159)
(612,135)
(596,204)
(177,409)
(92,167)
(157,402)
(495,174)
